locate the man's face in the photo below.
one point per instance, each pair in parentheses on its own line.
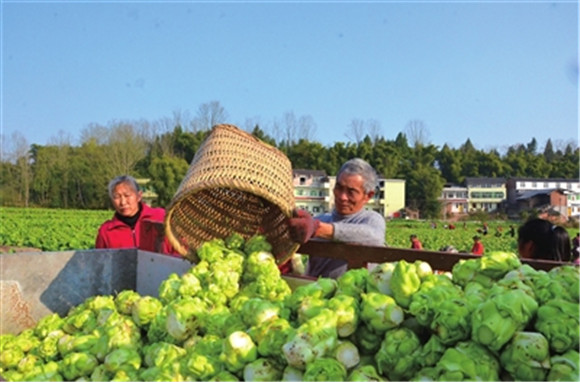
(349,195)
(126,200)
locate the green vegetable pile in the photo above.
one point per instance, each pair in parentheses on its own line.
(233,317)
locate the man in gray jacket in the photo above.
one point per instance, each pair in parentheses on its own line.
(348,222)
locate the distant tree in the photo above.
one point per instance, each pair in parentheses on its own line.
(19,156)
(449,161)
(424,182)
(532,146)
(467,147)
(166,176)
(417,132)
(208,115)
(373,128)
(125,147)
(549,154)
(47,182)
(568,164)
(307,155)
(490,164)
(356,130)
(89,180)
(291,129)
(166,132)
(261,135)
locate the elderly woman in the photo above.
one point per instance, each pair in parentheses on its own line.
(123,230)
(348,222)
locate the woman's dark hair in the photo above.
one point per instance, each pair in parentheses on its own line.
(551,242)
(562,243)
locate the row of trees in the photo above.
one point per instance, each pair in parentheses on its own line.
(63,175)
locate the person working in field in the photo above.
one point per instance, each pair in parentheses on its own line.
(540,239)
(348,222)
(124,228)
(477,248)
(415,242)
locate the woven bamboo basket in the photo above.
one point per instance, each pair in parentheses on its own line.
(235,183)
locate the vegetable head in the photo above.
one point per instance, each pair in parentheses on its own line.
(562,333)
(48,324)
(123,358)
(257,243)
(526,357)
(565,367)
(353,282)
(325,369)
(262,369)
(452,321)
(347,311)
(347,353)
(398,356)
(380,312)
(238,350)
(496,264)
(315,338)
(75,365)
(183,317)
(365,373)
(145,309)
(201,366)
(405,281)
(160,353)
(496,320)
(379,279)
(125,299)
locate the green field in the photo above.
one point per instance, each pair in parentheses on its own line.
(50,229)
(398,232)
(62,229)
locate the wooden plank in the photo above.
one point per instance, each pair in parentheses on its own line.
(359,255)
(356,255)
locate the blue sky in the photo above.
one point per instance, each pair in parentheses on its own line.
(498,73)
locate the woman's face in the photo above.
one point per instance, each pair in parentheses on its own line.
(126,200)
(349,194)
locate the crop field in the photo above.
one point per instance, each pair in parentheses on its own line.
(50,229)
(398,232)
(65,229)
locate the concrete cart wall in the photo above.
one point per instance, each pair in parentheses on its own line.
(35,284)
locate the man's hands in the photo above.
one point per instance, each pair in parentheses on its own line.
(302,226)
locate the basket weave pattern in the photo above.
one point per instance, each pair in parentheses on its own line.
(235,183)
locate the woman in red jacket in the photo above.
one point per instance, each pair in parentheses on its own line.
(123,230)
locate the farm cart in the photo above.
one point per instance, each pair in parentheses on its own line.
(32,285)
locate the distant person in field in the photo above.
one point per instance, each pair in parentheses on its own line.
(541,239)
(448,248)
(415,242)
(348,222)
(512,231)
(124,228)
(477,248)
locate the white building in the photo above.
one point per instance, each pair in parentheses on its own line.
(516,187)
(454,200)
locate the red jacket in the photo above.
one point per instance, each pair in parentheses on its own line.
(116,234)
(477,248)
(416,244)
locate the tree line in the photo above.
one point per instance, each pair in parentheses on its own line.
(63,175)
